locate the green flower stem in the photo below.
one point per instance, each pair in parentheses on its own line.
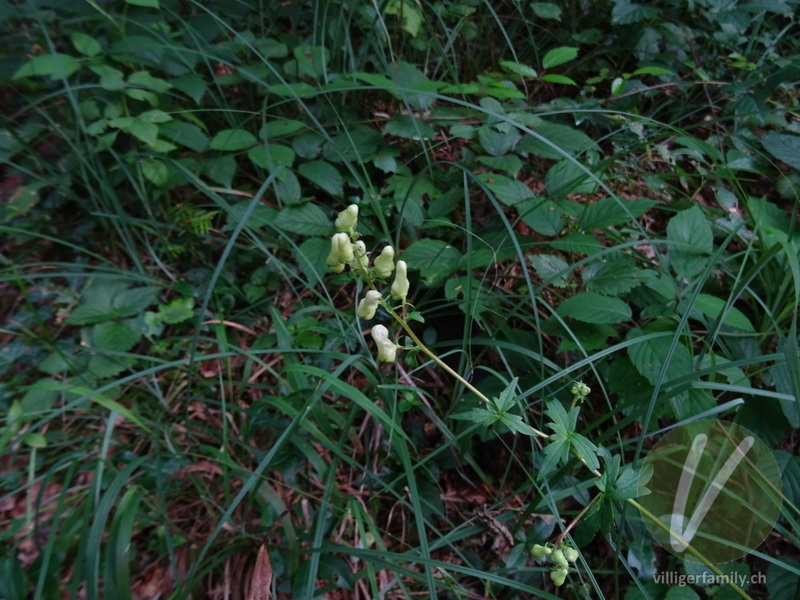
(575,521)
(690,549)
(430,354)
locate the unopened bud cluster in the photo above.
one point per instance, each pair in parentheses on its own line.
(348,250)
(561,558)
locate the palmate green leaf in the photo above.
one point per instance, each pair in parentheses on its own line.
(691,242)
(505,400)
(477,415)
(585,449)
(515,423)
(562,421)
(559,56)
(177,311)
(591,307)
(55,66)
(232,140)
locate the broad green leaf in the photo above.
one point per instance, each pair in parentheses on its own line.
(691,242)
(297,89)
(712,306)
(418,86)
(106,299)
(781,583)
(311,257)
(411,15)
(192,85)
(789,467)
(652,71)
(279,128)
(608,212)
(221,169)
(312,61)
(434,259)
(155,171)
(270,156)
(783,146)
(541,215)
(612,275)
(55,66)
(508,191)
(323,174)
(231,140)
(569,140)
(35,440)
(560,79)
(406,126)
(546,10)
(177,311)
(591,307)
(144,3)
(649,355)
(85,44)
(111,79)
(510,163)
(185,134)
(519,69)
(120,336)
(355,144)
(625,12)
(681,592)
(565,177)
(579,243)
(154,116)
(146,80)
(552,269)
(308,219)
(495,142)
(144,131)
(287,188)
(559,56)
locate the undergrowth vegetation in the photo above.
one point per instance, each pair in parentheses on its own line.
(596,204)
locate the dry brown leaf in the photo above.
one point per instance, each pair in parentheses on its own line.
(262,577)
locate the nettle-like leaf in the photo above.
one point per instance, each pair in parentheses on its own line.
(107,299)
(612,275)
(232,140)
(323,174)
(609,212)
(434,259)
(783,146)
(691,242)
(591,307)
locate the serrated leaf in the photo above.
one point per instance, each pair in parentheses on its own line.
(119,336)
(609,212)
(308,219)
(541,215)
(105,299)
(551,269)
(232,140)
(434,259)
(591,307)
(505,400)
(406,126)
(611,276)
(559,56)
(579,243)
(783,584)
(55,66)
(323,174)
(510,163)
(495,142)
(625,12)
(691,242)
(783,146)
(569,140)
(155,171)
(287,188)
(566,177)
(146,80)
(221,169)
(177,311)
(192,85)
(477,415)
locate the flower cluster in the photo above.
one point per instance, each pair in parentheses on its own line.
(561,558)
(348,250)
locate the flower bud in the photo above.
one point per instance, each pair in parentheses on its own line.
(571,554)
(341,252)
(368,305)
(559,576)
(387,350)
(347,219)
(400,285)
(384,264)
(360,250)
(558,557)
(539,551)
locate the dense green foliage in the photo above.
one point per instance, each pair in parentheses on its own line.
(603,191)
